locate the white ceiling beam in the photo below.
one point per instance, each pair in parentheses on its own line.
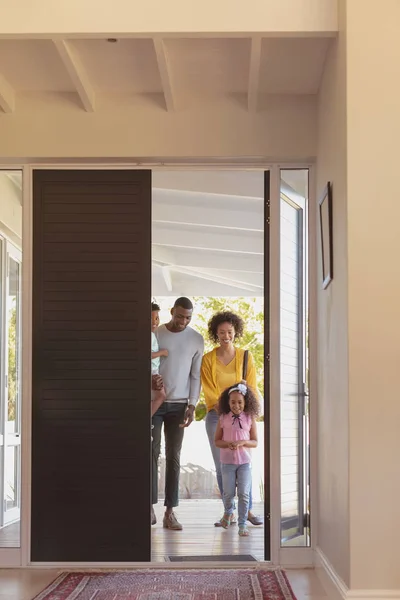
(164,68)
(253,263)
(208,277)
(207,227)
(166,273)
(254,73)
(7,96)
(77,73)
(202,209)
(16,180)
(222,183)
(251,278)
(202,238)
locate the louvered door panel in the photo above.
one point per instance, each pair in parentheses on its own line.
(91,366)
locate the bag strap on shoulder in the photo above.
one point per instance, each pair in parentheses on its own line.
(245,361)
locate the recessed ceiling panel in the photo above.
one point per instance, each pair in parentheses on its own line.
(210,66)
(292,65)
(125,66)
(33,66)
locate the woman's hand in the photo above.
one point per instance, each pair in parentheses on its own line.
(157,382)
(164,353)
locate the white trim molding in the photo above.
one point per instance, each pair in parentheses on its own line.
(335,586)
(336,589)
(374,594)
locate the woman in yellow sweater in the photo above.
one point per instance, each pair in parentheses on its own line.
(221,368)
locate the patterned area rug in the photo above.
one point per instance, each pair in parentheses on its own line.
(154,584)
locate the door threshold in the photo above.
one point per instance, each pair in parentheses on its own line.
(163,566)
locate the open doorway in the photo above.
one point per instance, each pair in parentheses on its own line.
(211,243)
(208,244)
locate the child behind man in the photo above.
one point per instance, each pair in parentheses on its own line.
(236,433)
(157,396)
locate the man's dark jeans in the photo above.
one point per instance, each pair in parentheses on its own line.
(172,415)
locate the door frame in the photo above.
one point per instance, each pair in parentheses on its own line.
(13,252)
(286,557)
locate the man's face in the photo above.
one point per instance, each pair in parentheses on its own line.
(155,319)
(181,318)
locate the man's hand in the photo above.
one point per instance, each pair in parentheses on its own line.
(189,416)
(156,382)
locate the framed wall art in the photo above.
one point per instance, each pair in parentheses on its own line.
(325,221)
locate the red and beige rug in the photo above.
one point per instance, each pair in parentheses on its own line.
(152,584)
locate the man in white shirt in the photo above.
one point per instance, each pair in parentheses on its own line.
(180,372)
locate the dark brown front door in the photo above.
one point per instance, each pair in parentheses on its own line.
(91,366)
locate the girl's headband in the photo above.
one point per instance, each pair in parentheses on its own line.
(240,387)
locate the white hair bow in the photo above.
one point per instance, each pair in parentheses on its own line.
(240,387)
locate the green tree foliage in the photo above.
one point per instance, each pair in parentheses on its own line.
(251,312)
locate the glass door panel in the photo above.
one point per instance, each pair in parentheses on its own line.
(295,529)
(12,438)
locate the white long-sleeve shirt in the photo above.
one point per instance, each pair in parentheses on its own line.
(180,370)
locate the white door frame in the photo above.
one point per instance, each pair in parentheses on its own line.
(11,251)
(9,556)
(287,557)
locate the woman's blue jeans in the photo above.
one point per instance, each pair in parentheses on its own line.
(240,475)
(211,427)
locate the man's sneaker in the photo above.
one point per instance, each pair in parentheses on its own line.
(171,522)
(153,516)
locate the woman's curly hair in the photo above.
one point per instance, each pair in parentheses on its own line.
(225,317)
(251,403)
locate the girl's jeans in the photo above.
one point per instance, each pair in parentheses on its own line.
(211,427)
(240,474)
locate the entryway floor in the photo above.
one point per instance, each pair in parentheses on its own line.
(25,584)
(200,537)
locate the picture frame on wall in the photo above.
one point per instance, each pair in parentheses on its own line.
(325,221)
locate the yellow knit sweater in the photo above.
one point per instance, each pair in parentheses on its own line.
(209,375)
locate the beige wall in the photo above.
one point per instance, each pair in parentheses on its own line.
(358,320)
(373,96)
(333,376)
(10,209)
(58,127)
(122,16)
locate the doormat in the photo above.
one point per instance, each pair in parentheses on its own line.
(213,557)
(158,584)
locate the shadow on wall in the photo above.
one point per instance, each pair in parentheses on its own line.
(196,482)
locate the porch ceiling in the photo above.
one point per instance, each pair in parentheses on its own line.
(175,71)
(208,231)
